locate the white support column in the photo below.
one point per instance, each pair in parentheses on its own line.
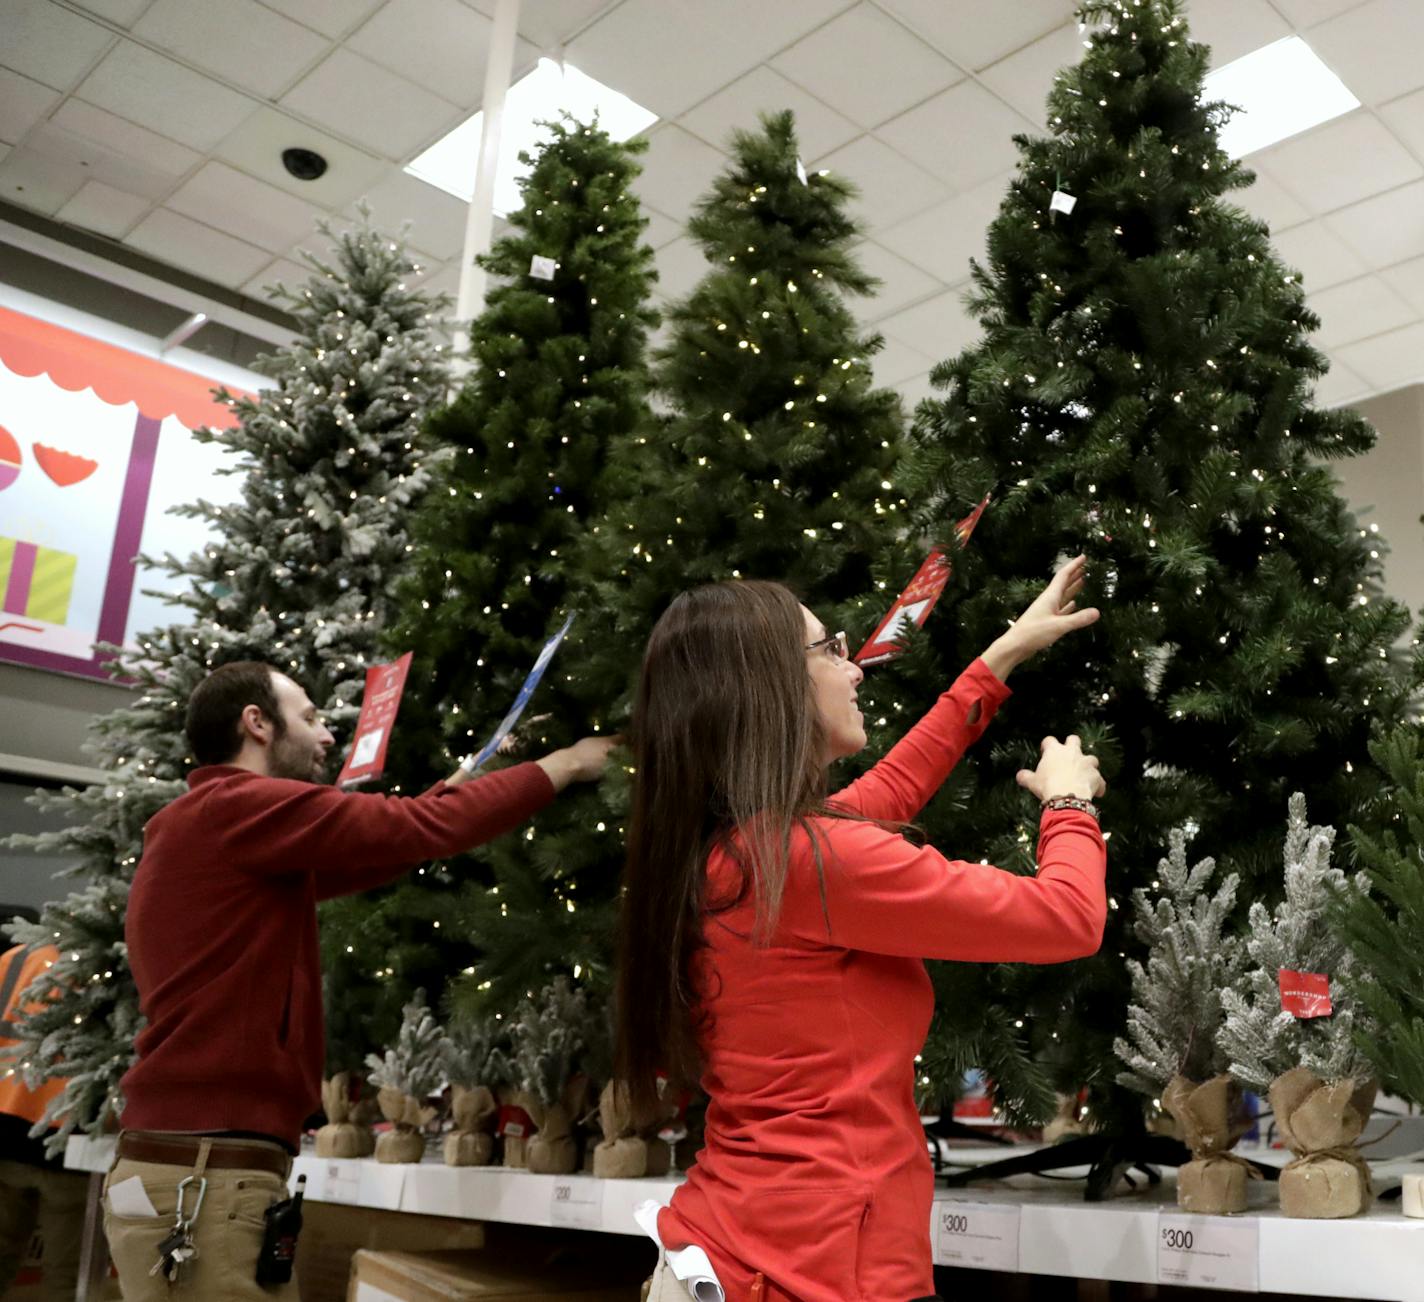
(479,222)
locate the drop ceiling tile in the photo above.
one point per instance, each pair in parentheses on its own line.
(898,362)
(934,136)
(661,230)
(1386,229)
(371,106)
(680,266)
(118,153)
(164,96)
(222,197)
(1322,257)
(1375,48)
(257,145)
(23,102)
(1306,13)
(240,40)
(1340,386)
(103,209)
(334,18)
(944,238)
(670,54)
(914,391)
(959,27)
(891,187)
(818,129)
(37,182)
(1358,309)
(1025,78)
(1408,279)
(437,219)
(398,36)
(6,151)
(284,271)
(678,168)
(44,41)
(1341,162)
(1235,27)
(1405,117)
(940,326)
(1270,201)
(119,12)
(1388,361)
(181,242)
(901,283)
(818,62)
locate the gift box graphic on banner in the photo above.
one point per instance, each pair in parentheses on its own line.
(35,582)
(95,448)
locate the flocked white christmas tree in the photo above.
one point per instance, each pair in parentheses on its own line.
(1192,957)
(1260,1038)
(417,1063)
(297,572)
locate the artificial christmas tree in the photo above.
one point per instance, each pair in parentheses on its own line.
(1290,1028)
(560,374)
(1170,1049)
(297,573)
(1142,393)
(407,1075)
(550,1036)
(477,1063)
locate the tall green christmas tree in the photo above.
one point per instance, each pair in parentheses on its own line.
(1142,392)
(298,572)
(560,375)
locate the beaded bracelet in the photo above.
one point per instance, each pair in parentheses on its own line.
(1071,802)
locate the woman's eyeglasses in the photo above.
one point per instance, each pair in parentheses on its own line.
(834,645)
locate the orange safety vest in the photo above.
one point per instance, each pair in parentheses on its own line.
(18,969)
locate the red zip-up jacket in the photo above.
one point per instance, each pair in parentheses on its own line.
(222,935)
(815,1171)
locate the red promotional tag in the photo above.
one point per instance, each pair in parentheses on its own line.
(382,698)
(919,597)
(1305,994)
(514,1122)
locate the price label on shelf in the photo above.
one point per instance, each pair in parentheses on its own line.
(982,1235)
(1209,1252)
(576,1203)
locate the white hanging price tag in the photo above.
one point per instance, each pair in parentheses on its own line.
(1062,202)
(542,268)
(982,1235)
(577,1203)
(1209,1251)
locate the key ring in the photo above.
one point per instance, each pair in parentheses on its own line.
(179,1222)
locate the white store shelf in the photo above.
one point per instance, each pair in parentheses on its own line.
(1026,1223)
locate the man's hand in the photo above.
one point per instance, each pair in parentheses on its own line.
(1053,614)
(581,762)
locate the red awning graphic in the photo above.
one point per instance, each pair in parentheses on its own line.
(31,347)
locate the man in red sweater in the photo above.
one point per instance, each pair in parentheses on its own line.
(222,937)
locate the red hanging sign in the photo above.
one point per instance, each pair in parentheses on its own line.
(1305,994)
(384,687)
(919,597)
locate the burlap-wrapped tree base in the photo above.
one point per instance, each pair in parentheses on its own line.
(471,1143)
(1213,1183)
(341,1136)
(623,1154)
(1320,1123)
(553,1151)
(408,1116)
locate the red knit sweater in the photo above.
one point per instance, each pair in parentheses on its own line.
(222,933)
(815,1171)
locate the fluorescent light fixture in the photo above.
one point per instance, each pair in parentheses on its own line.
(1281,89)
(538,97)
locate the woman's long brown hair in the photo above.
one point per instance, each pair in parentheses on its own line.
(726,737)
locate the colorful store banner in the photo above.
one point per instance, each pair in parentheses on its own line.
(95,448)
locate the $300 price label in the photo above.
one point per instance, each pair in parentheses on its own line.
(979,1234)
(1208,1251)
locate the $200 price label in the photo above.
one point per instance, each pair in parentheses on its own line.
(978,1234)
(576,1202)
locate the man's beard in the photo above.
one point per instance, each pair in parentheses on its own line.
(287,759)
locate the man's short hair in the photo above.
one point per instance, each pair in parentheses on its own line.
(214,721)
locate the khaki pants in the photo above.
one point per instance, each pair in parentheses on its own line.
(53,1201)
(227,1233)
(664,1286)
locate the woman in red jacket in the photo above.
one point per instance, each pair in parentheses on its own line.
(773,936)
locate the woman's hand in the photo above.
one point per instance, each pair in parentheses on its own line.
(1053,614)
(1063,770)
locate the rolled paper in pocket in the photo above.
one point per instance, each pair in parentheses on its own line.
(130,1199)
